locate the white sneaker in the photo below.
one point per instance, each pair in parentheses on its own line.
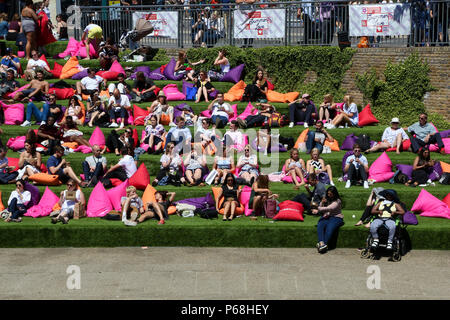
(130,223)
(305,125)
(348,184)
(331,126)
(113,125)
(366,185)
(56,125)
(172,124)
(121,125)
(26,123)
(42,123)
(291,125)
(331,183)
(341,127)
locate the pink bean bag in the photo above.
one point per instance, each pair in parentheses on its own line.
(12,94)
(97,137)
(82,51)
(249,111)
(240,145)
(234,108)
(206,113)
(430,206)
(98,205)
(45,205)
(446,141)
(115,195)
(14,113)
(245,198)
(71,49)
(16,143)
(83,149)
(172,93)
(288,178)
(381,169)
(116,67)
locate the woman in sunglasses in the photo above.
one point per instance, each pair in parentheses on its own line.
(68,199)
(17,202)
(248,166)
(116,141)
(223,164)
(230,192)
(195,163)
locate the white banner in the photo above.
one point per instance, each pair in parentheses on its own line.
(259,24)
(380,20)
(165,23)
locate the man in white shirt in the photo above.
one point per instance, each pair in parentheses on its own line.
(393,136)
(89,84)
(357,167)
(94,166)
(233,136)
(117,108)
(221,111)
(35,64)
(180,135)
(123,170)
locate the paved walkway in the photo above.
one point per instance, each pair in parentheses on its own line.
(218,273)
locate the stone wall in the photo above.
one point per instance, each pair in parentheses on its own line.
(438,59)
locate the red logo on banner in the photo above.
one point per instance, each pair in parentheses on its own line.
(364,23)
(373,10)
(254,14)
(379,28)
(247,26)
(156,32)
(151,16)
(260,32)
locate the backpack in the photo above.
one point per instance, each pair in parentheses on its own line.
(445,179)
(276,120)
(210,213)
(364,142)
(401,178)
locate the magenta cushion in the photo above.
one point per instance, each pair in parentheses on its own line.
(98,205)
(234,75)
(12,94)
(430,206)
(16,143)
(245,197)
(381,169)
(71,49)
(97,137)
(115,194)
(172,93)
(14,113)
(45,205)
(249,111)
(234,108)
(116,67)
(169,71)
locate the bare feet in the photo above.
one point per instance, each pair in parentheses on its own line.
(358,223)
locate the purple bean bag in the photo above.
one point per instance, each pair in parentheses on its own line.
(436,172)
(178,109)
(185,86)
(276,148)
(35,195)
(80,75)
(145,69)
(169,71)
(234,75)
(200,203)
(445,134)
(349,141)
(406,169)
(156,74)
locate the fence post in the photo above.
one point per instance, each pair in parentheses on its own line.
(286,26)
(230,25)
(180,28)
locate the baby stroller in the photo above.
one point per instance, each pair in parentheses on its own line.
(143,28)
(399,244)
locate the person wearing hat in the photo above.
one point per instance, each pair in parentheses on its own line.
(374,197)
(9,61)
(301,110)
(143,88)
(393,137)
(162,110)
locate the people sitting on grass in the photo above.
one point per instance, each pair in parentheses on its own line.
(221,111)
(9,62)
(259,194)
(17,202)
(205,135)
(74,110)
(330,209)
(154,136)
(233,136)
(94,166)
(317,165)
(385,211)
(348,116)
(72,134)
(35,64)
(108,53)
(162,110)
(158,210)
(422,166)
(54,109)
(392,137)
(91,83)
(29,161)
(195,164)
(116,141)
(263,112)
(36,89)
(40,114)
(189,116)
(312,199)
(295,168)
(56,165)
(357,168)
(49,135)
(316,139)
(132,207)
(68,199)
(425,134)
(257,91)
(265,139)
(123,170)
(117,108)
(223,63)
(8,84)
(170,170)
(248,166)
(230,192)
(204,88)
(143,88)
(6,174)
(121,85)
(180,135)
(92,34)
(327,109)
(95,109)
(183,66)
(223,164)
(301,110)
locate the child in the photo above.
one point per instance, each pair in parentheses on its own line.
(132,207)
(158,210)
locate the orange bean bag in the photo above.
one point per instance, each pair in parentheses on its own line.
(334,146)
(70,68)
(71,145)
(171,210)
(301,138)
(2,207)
(149,195)
(45,179)
(445,167)
(236,92)
(240,210)
(165,119)
(273,96)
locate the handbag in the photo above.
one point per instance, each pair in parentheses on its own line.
(211,176)
(410,218)
(270,208)
(78,211)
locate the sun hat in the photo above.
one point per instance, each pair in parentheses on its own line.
(306,95)
(395,120)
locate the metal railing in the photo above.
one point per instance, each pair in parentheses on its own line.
(317,23)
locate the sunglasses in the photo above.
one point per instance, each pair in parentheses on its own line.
(423,118)
(70,185)
(356,150)
(19,185)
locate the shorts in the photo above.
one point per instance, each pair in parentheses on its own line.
(62,176)
(95,33)
(37,97)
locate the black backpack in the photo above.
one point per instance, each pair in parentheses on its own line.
(210,213)
(401,178)
(364,142)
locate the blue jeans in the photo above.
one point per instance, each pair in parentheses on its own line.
(88,175)
(327,227)
(38,114)
(223,121)
(311,144)
(17,210)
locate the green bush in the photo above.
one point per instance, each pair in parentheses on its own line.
(401,92)
(287,67)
